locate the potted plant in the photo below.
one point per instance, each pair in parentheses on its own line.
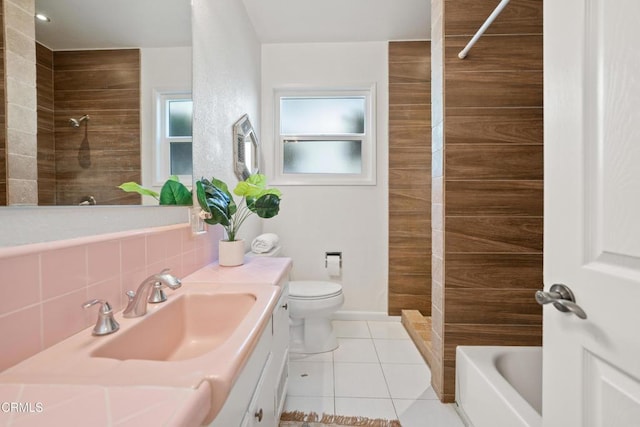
(219,207)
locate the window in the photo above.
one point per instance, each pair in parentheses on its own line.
(174,136)
(325,137)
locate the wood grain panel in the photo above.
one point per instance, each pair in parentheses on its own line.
(492,306)
(409,93)
(409,136)
(493,89)
(45,120)
(120,99)
(95,80)
(95,60)
(414,51)
(44,56)
(408,225)
(466,16)
(45,135)
(401,201)
(68,161)
(413,283)
(409,72)
(398,302)
(409,158)
(70,139)
(485,198)
(410,115)
(494,126)
(410,262)
(513,162)
(505,334)
(483,271)
(409,177)
(495,53)
(122,121)
(44,87)
(416,180)
(105,151)
(493,234)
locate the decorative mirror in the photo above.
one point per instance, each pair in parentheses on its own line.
(246,150)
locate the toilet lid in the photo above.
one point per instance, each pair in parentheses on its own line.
(313,289)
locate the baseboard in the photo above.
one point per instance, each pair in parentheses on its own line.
(365,315)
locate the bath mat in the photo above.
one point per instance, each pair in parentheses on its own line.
(300,419)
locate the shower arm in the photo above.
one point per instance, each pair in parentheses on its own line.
(503,3)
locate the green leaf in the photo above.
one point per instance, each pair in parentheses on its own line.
(202,196)
(215,200)
(173,192)
(134,187)
(266,206)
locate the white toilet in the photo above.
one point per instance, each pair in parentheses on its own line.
(311,304)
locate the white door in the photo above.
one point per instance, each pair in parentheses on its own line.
(592,211)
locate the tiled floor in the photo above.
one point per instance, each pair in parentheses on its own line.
(376,372)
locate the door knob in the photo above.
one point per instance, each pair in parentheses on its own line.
(562,298)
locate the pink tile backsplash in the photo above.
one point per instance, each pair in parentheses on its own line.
(20,284)
(43,286)
(21,335)
(133,253)
(103,260)
(63,271)
(64,316)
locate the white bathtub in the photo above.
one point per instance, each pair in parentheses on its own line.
(499,386)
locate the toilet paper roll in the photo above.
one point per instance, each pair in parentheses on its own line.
(333,265)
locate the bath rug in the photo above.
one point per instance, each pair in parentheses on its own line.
(300,419)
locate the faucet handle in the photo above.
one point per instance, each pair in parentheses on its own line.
(157,294)
(105,324)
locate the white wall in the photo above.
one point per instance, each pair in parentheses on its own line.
(226,85)
(164,70)
(317,219)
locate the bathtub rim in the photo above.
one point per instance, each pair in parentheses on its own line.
(482,359)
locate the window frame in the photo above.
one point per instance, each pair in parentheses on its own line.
(367,176)
(162,140)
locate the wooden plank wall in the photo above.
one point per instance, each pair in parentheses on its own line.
(409,177)
(105,152)
(492,182)
(3,135)
(46,140)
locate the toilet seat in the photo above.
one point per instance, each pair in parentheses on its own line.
(313,290)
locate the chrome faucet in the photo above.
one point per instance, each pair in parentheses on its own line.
(138,300)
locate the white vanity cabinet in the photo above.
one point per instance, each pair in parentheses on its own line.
(257,397)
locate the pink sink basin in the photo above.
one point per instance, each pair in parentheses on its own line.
(186,327)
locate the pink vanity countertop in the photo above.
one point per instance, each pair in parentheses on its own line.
(64,385)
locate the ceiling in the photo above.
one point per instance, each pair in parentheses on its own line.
(308,21)
(100,24)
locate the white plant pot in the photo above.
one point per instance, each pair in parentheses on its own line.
(231,254)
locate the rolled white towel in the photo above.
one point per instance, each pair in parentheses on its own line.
(264,243)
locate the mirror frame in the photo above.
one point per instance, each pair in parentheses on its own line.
(243,132)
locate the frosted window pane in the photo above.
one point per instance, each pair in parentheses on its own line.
(180,114)
(322,116)
(323,157)
(181,158)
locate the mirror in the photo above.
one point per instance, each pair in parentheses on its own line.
(246,152)
(120,139)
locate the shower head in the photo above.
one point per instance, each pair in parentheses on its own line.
(76,122)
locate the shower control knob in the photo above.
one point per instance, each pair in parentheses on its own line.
(562,299)
(286,306)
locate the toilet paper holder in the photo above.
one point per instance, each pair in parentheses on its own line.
(332,254)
